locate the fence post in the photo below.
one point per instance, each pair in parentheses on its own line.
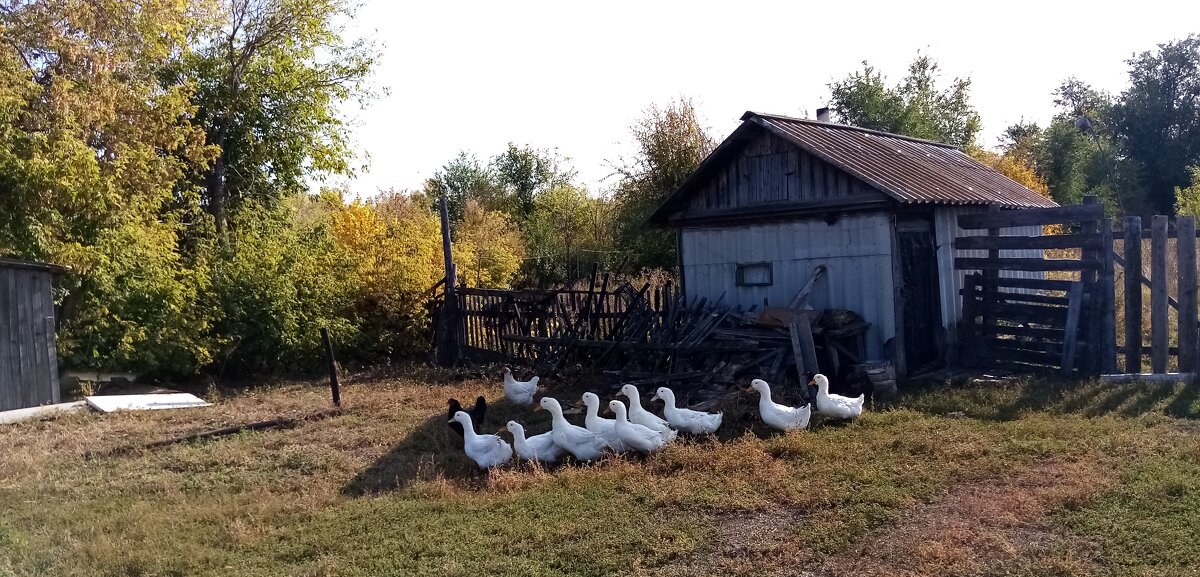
(1185,244)
(335,388)
(1095,311)
(1133,294)
(1158,295)
(1108,290)
(448,347)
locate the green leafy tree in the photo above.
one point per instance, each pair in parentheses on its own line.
(1187,199)
(568,230)
(91,153)
(271,78)
(525,172)
(464,178)
(671,143)
(1158,118)
(918,106)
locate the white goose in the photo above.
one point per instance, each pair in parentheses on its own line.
(536,448)
(777,415)
(599,425)
(687,420)
(836,406)
(578,441)
(637,437)
(645,418)
(519,392)
(486,450)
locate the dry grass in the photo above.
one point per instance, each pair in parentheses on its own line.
(383,490)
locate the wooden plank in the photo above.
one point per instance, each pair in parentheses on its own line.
(1051,241)
(1025,356)
(8,382)
(1023,297)
(1094,309)
(1122,235)
(1071,333)
(1031,314)
(28,380)
(1032,217)
(898,291)
(801,297)
(1025,264)
(1032,332)
(803,347)
(1186,266)
(1133,295)
(1158,295)
(1028,283)
(1108,301)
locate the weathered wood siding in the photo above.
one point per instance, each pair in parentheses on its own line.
(28,357)
(767,170)
(945,219)
(856,251)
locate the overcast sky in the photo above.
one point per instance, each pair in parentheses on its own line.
(574,75)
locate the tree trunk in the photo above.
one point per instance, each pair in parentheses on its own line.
(216,187)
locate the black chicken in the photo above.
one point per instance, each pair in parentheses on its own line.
(476,413)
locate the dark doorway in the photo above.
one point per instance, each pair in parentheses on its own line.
(921,314)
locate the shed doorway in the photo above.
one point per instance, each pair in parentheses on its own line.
(921,318)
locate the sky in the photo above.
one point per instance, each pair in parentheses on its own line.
(574,76)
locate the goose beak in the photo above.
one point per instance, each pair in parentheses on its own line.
(538,408)
(749,389)
(503,429)
(577,404)
(655,398)
(451,421)
(812,381)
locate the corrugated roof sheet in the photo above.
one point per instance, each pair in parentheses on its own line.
(910,170)
(25,264)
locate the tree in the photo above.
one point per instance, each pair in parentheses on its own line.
(91,151)
(526,172)
(917,106)
(464,178)
(671,144)
(489,249)
(271,77)
(567,230)
(1158,118)
(1188,198)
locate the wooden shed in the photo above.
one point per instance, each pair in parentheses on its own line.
(782,195)
(28,354)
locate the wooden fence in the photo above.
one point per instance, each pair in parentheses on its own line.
(1069,320)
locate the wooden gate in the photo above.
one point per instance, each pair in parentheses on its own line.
(1136,284)
(1060,313)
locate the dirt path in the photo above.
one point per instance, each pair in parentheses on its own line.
(978,528)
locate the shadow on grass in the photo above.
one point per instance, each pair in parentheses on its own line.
(432,451)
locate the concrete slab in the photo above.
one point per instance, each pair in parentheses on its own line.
(110,403)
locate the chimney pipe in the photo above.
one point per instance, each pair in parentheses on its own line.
(823,114)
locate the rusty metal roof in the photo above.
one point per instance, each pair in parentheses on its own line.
(909,170)
(25,264)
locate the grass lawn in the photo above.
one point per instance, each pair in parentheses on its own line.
(1031,478)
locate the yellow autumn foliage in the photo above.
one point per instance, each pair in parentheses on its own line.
(488,249)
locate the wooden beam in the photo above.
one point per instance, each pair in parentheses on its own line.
(1149,378)
(801,297)
(1133,295)
(1025,264)
(1051,241)
(1186,266)
(803,347)
(1028,283)
(1158,295)
(1071,333)
(1108,300)
(1032,217)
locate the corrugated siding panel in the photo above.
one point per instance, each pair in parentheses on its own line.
(946,227)
(856,250)
(770,169)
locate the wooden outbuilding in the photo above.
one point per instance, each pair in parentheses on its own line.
(781,196)
(28,353)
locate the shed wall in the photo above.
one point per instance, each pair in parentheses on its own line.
(952,281)
(28,355)
(856,251)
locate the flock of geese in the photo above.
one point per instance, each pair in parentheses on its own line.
(634,429)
